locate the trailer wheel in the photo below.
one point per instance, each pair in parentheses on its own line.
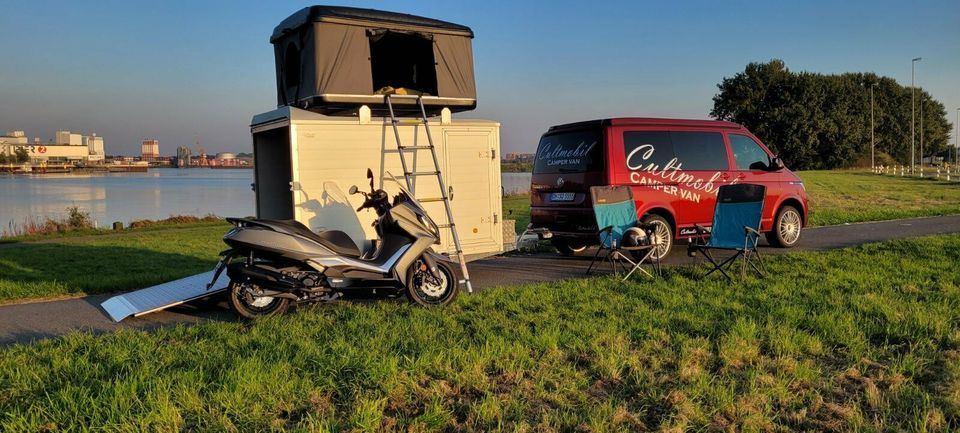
(244,302)
(425,289)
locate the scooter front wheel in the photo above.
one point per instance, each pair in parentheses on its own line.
(246,304)
(425,289)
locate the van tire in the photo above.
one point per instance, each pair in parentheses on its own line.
(787,227)
(568,247)
(665,233)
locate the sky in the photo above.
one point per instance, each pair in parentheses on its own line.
(187,71)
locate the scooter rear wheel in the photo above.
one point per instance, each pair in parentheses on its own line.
(258,306)
(425,289)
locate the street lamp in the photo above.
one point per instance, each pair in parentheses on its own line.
(913,118)
(921,134)
(872,142)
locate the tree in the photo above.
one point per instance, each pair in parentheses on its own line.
(21,155)
(818,121)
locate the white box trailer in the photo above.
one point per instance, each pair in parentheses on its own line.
(306,162)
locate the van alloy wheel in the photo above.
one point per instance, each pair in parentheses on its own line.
(662,235)
(786,228)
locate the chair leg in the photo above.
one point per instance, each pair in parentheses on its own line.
(720,267)
(594,261)
(636,265)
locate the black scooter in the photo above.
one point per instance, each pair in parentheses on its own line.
(274,263)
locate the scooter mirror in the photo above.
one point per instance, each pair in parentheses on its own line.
(370,176)
(353,189)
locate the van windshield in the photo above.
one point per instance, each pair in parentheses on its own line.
(569,152)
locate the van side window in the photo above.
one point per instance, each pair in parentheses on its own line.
(748,154)
(700,150)
(647,150)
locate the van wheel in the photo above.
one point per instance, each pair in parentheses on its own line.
(662,235)
(568,247)
(786,228)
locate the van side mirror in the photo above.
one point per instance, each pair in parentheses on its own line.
(776,163)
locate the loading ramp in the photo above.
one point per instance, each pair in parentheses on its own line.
(162,296)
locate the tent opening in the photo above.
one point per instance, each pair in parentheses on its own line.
(403,60)
(291,67)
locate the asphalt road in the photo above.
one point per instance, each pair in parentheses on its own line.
(25,322)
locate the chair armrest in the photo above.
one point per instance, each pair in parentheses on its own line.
(605,229)
(751,230)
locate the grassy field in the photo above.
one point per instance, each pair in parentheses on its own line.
(865,339)
(104,263)
(838,197)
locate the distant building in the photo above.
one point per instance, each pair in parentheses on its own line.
(184,154)
(66,148)
(226,155)
(94,145)
(150,150)
(518,157)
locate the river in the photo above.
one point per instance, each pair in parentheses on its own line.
(156,194)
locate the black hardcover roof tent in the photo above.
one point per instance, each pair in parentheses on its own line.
(332,60)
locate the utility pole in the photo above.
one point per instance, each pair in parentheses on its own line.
(913,118)
(956,139)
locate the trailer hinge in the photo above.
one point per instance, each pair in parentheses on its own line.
(493,153)
(295,186)
(496,218)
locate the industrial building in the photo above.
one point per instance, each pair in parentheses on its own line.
(67,147)
(150,150)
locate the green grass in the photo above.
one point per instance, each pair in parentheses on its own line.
(517,207)
(107,262)
(838,197)
(864,339)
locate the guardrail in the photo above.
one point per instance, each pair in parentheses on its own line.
(948,172)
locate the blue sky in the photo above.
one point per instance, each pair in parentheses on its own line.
(176,70)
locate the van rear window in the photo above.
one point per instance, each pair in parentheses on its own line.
(569,152)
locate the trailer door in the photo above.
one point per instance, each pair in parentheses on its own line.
(471,171)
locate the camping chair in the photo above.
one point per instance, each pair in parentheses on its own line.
(616,216)
(736,227)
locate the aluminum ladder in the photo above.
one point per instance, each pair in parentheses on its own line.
(409,174)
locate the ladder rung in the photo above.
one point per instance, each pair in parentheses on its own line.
(431,199)
(422,173)
(415,147)
(446,226)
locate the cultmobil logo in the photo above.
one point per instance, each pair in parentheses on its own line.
(687,186)
(565,153)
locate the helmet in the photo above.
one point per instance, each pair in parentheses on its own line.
(635,237)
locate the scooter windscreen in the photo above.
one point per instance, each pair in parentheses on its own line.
(398,190)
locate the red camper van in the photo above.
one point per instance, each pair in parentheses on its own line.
(674,166)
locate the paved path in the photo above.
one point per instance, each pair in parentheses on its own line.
(26,322)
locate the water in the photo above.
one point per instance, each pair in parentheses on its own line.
(108,197)
(156,194)
(515,183)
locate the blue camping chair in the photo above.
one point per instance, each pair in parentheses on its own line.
(621,236)
(736,227)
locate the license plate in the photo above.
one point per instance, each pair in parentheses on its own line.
(561,196)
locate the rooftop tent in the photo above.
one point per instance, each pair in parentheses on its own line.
(333,59)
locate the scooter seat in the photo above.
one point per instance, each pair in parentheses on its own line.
(336,240)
